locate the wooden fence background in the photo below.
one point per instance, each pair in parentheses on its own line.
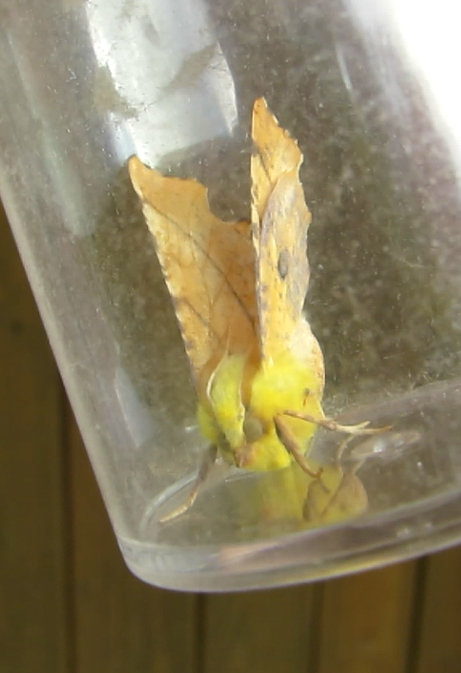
(69,605)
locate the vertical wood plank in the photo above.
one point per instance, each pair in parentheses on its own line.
(33,619)
(440,634)
(121,624)
(366,621)
(261,632)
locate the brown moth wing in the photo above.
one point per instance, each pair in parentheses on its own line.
(280,220)
(208,265)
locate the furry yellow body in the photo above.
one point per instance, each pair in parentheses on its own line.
(238,411)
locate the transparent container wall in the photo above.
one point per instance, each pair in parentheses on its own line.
(370,92)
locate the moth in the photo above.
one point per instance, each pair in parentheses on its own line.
(238,291)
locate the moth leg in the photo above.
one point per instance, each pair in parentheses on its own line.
(208,460)
(331,424)
(342,447)
(291,445)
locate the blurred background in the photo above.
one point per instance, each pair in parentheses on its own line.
(69,605)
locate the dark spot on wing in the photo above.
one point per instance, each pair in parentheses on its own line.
(283,264)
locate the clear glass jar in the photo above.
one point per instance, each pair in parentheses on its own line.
(83,86)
